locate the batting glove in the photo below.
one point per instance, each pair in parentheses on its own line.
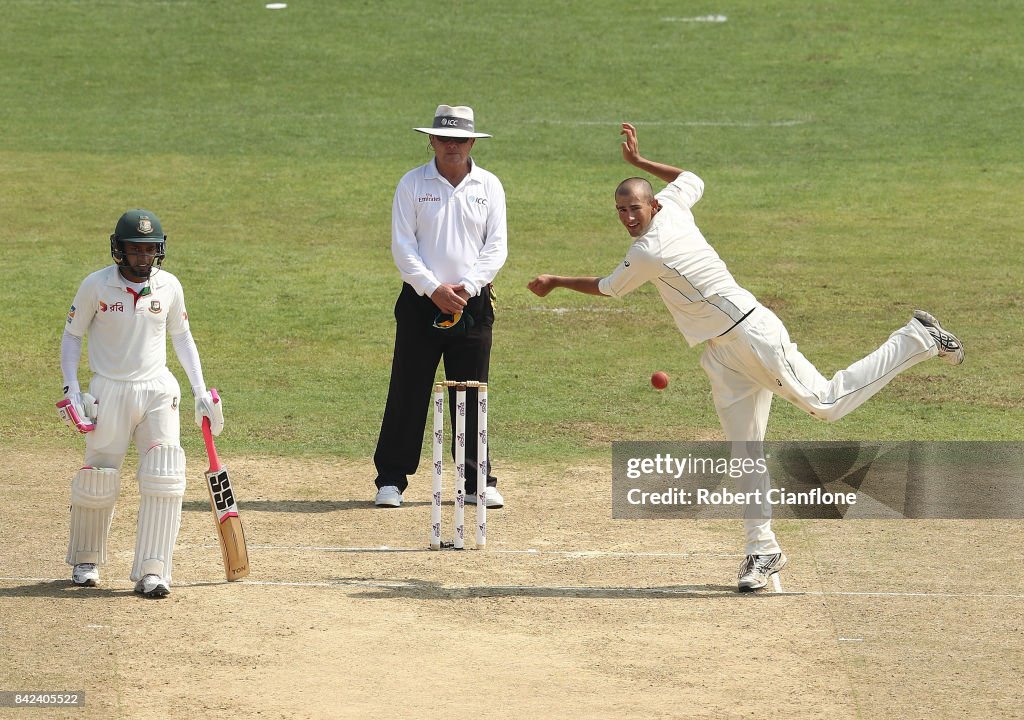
(208,405)
(79,410)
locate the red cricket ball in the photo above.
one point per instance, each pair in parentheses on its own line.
(659,380)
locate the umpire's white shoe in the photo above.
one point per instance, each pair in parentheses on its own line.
(388,496)
(85,574)
(492,498)
(756,569)
(152,586)
(949,346)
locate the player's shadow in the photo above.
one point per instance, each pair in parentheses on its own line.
(62,589)
(429,590)
(294,506)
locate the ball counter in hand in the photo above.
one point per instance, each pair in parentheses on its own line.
(659,380)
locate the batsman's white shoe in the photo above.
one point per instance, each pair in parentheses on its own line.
(85,574)
(388,496)
(152,586)
(492,498)
(949,346)
(756,569)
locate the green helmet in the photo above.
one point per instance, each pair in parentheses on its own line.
(138,226)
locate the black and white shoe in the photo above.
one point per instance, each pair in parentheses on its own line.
(949,346)
(152,586)
(85,575)
(756,569)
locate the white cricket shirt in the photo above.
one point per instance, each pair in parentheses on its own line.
(441,234)
(694,283)
(128,332)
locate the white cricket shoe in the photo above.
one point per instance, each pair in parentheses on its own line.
(949,346)
(388,496)
(492,498)
(756,569)
(85,574)
(152,586)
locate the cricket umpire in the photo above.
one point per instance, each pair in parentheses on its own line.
(448,240)
(128,309)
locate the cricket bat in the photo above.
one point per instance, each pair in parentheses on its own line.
(225,511)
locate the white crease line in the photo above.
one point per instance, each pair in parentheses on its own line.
(879,593)
(489,551)
(698,19)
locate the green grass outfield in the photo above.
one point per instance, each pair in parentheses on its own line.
(861,159)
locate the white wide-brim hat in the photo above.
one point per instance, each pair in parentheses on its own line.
(453,122)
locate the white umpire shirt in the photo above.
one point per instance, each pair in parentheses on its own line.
(694,283)
(128,331)
(441,234)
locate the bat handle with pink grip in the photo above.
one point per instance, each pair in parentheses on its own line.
(211,451)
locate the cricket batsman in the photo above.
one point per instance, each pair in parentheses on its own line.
(128,309)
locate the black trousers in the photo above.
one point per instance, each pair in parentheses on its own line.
(419,348)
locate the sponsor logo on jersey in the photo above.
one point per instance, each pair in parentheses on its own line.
(113,307)
(71,314)
(154,306)
(625,263)
(477,200)
(429,198)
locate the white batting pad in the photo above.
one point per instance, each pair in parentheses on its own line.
(161,489)
(93,494)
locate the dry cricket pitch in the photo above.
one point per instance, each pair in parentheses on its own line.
(567,613)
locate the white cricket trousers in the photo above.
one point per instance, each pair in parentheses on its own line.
(145,412)
(756,360)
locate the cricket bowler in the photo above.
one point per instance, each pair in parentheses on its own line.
(748,355)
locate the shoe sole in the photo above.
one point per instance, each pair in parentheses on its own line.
(387,505)
(160,592)
(929,320)
(86,583)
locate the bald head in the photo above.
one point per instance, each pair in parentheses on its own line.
(635,187)
(636,205)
